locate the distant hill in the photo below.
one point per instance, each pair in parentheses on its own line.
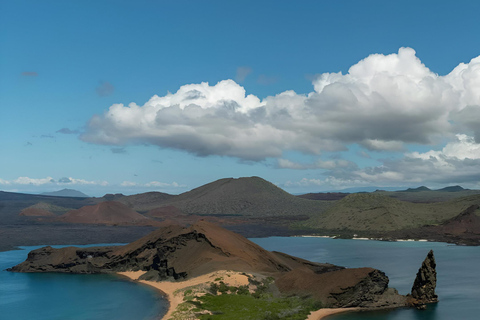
(43,209)
(142,201)
(452,189)
(446,189)
(108,212)
(366,189)
(419,189)
(65,193)
(328,196)
(425,195)
(376,212)
(252,196)
(35,212)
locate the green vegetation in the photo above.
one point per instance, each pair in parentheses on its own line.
(250,307)
(367,213)
(57,210)
(255,301)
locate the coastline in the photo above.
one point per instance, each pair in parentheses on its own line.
(326,312)
(371,239)
(170,290)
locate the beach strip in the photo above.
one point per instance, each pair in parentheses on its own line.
(325,312)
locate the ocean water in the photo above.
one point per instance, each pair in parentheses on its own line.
(458,268)
(54,296)
(100,297)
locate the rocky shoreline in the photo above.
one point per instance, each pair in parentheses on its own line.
(178,254)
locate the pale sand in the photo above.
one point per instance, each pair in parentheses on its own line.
(323,313)
(168,288)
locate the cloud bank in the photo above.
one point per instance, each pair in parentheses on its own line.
(50,181)
(383,103)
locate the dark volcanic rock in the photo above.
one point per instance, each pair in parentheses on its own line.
(423,290)
(364,292)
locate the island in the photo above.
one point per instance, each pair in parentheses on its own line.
(207,271)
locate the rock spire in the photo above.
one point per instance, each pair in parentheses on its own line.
(423,289)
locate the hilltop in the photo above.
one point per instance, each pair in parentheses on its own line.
(252,196)
(65,193)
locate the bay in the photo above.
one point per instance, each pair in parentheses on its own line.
(56,296)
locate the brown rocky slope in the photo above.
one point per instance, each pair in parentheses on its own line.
(108,212)
(178,253)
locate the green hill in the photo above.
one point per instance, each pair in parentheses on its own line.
(379,213)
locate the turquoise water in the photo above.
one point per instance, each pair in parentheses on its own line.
(99,297)
(458,267)
(53,296)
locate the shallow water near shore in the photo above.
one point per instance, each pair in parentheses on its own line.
(458,284)
(54,296)
(98,297)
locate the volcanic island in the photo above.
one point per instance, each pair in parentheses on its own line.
(208,272)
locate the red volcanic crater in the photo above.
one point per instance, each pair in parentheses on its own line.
(108,212)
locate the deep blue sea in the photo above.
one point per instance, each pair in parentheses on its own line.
(102,297)
(53,296)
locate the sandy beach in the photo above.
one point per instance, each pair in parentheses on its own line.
(171,290)
(323,313)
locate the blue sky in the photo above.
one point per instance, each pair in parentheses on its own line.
(310,95)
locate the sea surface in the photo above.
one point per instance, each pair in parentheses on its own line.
(100,297)
(55,296)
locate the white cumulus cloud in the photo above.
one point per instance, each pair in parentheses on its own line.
(382,103)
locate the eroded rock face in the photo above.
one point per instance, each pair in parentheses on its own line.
(364,292)
(423,289)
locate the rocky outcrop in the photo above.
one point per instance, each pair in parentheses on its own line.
(423,289)
(372,291)
(170,252)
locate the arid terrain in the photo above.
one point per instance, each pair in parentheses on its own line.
(251,206)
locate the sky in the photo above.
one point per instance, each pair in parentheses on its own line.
(135,96)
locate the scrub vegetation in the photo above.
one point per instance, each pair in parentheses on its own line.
(257,300)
